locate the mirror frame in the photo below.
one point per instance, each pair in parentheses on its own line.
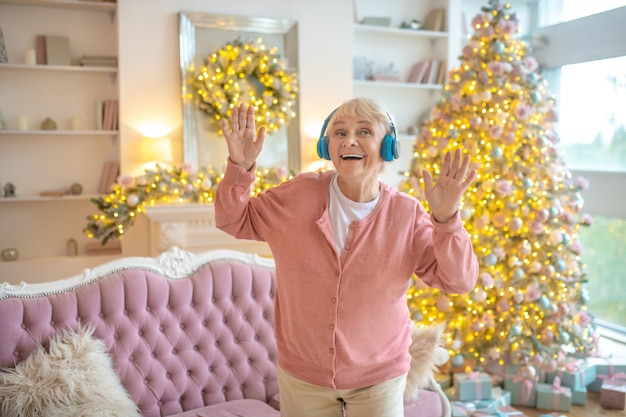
(189,24)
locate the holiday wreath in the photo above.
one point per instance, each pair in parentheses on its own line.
(247,72)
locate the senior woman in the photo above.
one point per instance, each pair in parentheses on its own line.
(345,246)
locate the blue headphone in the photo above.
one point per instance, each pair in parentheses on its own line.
(389,150)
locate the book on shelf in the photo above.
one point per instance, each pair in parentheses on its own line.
(433,71)
(40,50)
(443,70)
(422,76)
(108,177)
(108,116)
(53,193)
(98,61)
(417,72)
(58,50)
(435,20)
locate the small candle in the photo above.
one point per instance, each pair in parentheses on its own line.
(30,57)
(75,123)
(22,122)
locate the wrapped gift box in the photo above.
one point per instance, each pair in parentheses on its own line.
(554,397)
(499,397)
(611,368)
(579,396)
(613,394)
(523,390)
(462,408)
(507,411)
(502,411)
(471,386)
(576,374)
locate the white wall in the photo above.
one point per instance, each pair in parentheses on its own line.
(149,74)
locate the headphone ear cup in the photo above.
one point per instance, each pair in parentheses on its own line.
(390,149)
(322,148)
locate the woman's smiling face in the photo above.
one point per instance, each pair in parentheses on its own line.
(354,144)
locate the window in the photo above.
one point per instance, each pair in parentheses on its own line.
(563,11)
(592,113)
(581,50)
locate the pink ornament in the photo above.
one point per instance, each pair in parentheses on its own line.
(531,63)
(509,138)
(504,187)
(499,219)
(125,180)
(496,68)
(515,224)
(443,304)
(587,220)
(487,32)
(495,131)
(523,111)
(468,51)
(550,365)
(188,167)
(542,215)
(547,338)
(503,305)
(583,318)
(532,293)
(486,279)
(582,182)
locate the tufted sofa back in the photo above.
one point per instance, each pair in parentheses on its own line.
(184,331)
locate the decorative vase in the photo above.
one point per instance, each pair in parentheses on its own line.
(76,189)
(48,124)
(10,254)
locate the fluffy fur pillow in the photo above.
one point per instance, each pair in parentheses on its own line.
(75,378)
(427,353)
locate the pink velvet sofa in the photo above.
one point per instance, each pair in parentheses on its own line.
(188,335)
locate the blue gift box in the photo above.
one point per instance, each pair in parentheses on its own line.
(606,369)
(523,390)
(462,408)
(554,397)
(471,386)
(579,396)
(577,375)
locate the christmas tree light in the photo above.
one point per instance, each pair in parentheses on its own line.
(523,211)
(163,185)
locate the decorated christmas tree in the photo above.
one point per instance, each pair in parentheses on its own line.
(523,211)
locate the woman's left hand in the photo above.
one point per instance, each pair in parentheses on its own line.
(445,196)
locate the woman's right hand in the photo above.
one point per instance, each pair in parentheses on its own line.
(244,144)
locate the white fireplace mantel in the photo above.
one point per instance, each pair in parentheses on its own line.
(191,226)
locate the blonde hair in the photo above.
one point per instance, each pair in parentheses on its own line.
(365,107)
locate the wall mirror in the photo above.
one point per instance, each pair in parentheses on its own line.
(201,34)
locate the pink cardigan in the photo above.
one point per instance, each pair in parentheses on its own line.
(342,321)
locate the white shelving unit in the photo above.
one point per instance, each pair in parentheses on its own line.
(36,160)
(399,48)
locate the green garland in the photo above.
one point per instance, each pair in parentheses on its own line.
(130,195)
(246,72)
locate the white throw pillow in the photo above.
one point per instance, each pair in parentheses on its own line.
(75,378)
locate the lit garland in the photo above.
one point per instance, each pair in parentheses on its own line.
(246,72)
(523,212)
(131,195)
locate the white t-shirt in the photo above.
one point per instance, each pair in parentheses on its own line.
(344,211)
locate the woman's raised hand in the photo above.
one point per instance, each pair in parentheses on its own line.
(244,144)
(445,196)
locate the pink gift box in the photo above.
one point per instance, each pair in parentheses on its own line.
(613,394)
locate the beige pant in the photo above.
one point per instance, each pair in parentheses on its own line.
(300,399)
